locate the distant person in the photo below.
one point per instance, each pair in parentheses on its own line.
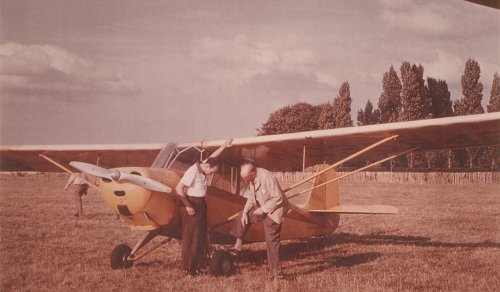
(192,189)
(265,202)
(79,188)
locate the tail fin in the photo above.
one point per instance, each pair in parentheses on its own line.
(327,196)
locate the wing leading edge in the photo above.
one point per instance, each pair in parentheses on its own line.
(280,152)
(285,151)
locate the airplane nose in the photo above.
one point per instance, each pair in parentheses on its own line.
(114,174)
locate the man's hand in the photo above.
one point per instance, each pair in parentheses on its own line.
(190,211)
(244,219)
(228,142)
(259,212)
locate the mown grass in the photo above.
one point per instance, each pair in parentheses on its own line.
(445,238)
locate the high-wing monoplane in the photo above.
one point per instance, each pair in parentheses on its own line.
(138,181)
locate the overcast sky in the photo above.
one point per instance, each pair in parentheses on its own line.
(158,71)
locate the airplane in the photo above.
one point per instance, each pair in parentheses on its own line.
(137,181)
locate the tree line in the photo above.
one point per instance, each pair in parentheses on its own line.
(408,98)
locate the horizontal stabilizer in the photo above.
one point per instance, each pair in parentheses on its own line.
(359,209)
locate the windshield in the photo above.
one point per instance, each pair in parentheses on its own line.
(179,160)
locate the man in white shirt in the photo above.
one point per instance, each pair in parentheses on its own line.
(192,189)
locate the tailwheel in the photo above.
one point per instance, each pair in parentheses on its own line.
(221,263)
(120,257)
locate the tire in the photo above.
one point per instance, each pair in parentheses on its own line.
(221,263)
(119,257)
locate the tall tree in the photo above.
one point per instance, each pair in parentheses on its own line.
(389,103)
(411,106)
(440,96)
(441,107)
(425,98)
(470,104)
(415,104)
(326,116)
(472,90)
(492,154)
(368,116)
(342,107)
(494,104)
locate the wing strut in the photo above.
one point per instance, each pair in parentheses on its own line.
(355,171)
(67,170)
(230,218)
(341,162)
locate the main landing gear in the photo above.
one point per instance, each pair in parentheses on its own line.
(123,257)
(221,263)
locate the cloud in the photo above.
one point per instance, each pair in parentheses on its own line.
(278,64)
(447,66)
(420,18)
(51,71)
(288,80)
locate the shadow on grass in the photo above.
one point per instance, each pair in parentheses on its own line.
(291,250)
(314,266)
(383,239)
(307,249)
(157,264)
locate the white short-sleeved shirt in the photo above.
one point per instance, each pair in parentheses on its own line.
(195,180)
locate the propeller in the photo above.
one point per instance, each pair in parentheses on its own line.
(119,176)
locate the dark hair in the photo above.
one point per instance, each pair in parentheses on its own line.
(212,162)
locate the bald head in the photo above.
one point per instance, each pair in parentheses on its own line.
(248,172)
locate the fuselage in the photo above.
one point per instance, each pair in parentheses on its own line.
(143,209)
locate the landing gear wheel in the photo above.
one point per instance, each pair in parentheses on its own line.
(119,257)
(221,263)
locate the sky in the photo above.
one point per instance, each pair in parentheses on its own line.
(121,71)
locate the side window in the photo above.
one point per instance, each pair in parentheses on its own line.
(226,179)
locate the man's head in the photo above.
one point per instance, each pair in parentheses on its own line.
(210,166)
(248,171)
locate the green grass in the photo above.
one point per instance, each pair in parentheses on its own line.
(445,238)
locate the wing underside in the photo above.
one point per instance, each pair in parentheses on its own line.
(287,151)
(280,152)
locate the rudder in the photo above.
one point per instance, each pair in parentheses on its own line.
(326,196)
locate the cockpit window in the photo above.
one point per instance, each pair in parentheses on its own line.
(165,156)
(180,160)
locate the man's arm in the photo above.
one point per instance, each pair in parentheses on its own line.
(70,181)
(181,191)
(226,144)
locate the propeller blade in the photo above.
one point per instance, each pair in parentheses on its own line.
(144,182)
(120,176)
(91,169)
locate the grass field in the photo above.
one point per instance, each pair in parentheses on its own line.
(445,238)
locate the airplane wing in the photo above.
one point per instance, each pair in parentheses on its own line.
(288,151)
(26,158)
(280,152)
